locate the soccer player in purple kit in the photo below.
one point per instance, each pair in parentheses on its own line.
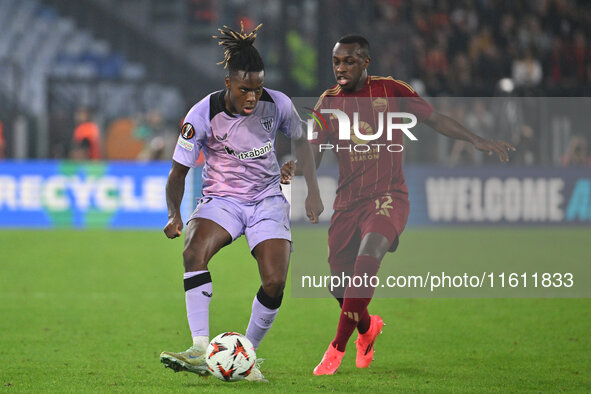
(235,128)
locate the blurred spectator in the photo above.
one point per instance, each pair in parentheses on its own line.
(481,121)
(143,129)
(527,71)
(81,150)
(462,152)
(436,68)
(465,47)
(526,153)
(581,56)
(577,154)
(557,64)
(158,140)
(2,142)
(87,138)
(460,77)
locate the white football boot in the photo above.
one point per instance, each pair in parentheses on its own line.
(191,360)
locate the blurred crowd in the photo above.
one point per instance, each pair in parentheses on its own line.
(144,137)
(465,47)
(444,48)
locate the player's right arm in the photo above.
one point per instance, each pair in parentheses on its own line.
(175,189)
(185,156)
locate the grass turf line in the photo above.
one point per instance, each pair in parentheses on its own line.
(90,311)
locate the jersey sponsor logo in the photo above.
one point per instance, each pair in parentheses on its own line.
(267,123)
(222,138)
(188,131)
(186,144)
(251,154)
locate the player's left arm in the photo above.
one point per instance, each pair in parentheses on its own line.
(449,127)
(305,159)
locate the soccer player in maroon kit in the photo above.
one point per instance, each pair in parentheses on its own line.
(371,206)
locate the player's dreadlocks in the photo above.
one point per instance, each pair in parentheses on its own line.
(240,54)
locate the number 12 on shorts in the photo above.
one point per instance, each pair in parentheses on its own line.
(383,205)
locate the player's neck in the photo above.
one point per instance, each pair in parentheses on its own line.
(228,104)
(361,83)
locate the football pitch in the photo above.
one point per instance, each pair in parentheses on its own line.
(90,311)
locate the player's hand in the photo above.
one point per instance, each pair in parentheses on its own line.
(174,227)
(314,207)
(287,172)
(498,147)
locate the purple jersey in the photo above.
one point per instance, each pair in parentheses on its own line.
(240,159)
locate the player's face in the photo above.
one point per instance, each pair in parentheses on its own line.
(244,91)
(349,66)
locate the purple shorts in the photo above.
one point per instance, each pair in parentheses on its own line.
(259,221)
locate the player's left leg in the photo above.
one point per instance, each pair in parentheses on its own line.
(272,256)
(269,238)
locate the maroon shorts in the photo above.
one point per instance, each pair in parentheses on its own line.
(386,215)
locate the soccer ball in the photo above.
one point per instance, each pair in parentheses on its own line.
(230,356)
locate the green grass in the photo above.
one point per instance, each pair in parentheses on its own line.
(90,311)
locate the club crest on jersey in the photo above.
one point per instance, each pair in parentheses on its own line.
(188,131)
(267,123)
(380,104)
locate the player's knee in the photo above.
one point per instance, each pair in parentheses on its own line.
(268,300)
(338,281)
(274,287)
(375,245)
(193,260)
(338,293)
(375,252)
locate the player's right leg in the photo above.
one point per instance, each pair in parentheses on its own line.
(343,245)
(203,239)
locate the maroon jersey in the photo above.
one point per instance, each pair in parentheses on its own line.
(377,168)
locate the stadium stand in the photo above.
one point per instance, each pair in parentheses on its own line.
(125,58)
(40,43)
(48,63)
